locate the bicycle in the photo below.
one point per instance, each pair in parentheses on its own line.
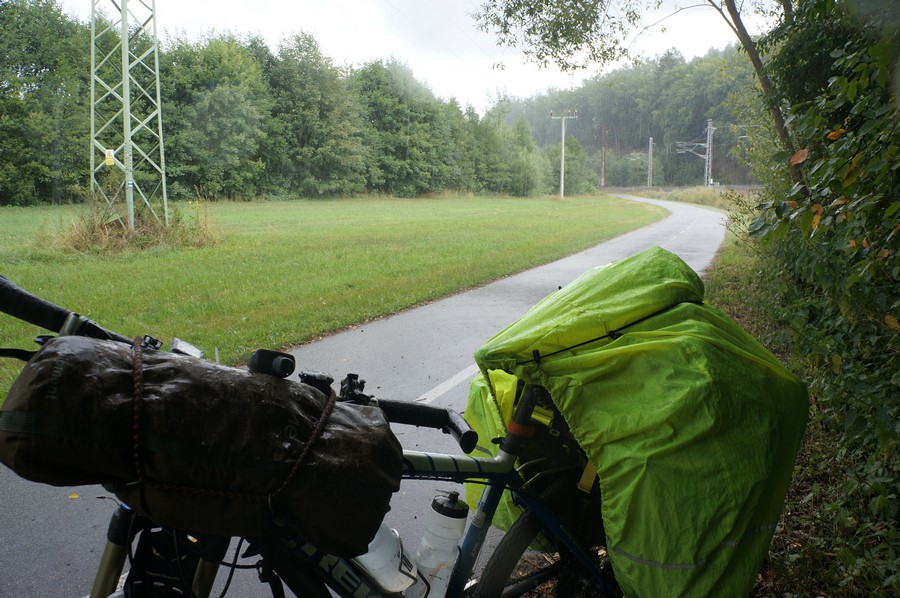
(538,460)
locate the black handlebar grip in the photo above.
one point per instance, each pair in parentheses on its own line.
(446,420)
(23,305)
(413,414)
(459,428)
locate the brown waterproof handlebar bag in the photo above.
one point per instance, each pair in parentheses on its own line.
(202,447)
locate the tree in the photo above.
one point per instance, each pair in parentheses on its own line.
(626,171)
(225,131)
(666,98)
(399,116)
(458,147)
(525,164)
(44,96)
(569,33)
(491,170)
(315,123)
(579,178)
(215,102)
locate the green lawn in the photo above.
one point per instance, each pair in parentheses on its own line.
(286,272)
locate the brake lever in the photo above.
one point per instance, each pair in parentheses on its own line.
(352,390)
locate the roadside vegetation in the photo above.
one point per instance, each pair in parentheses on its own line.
(829,226)
(837,535)
(720,198)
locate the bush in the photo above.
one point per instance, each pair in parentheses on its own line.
(832,242)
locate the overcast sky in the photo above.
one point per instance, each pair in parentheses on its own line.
(437,39)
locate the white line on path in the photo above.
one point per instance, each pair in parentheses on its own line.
(448,384)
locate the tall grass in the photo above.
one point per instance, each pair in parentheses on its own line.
(286,272)
(721,198)
(92,230)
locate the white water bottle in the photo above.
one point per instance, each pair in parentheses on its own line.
(386,563)
(444,526)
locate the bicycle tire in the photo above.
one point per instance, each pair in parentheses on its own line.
(514,570)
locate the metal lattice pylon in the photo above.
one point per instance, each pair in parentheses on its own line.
(127,151)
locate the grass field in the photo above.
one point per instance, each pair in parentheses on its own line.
(286,272)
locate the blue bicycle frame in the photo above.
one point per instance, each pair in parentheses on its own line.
(346,577)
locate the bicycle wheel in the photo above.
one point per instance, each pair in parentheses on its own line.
(514,570)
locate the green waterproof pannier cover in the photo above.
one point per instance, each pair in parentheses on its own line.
(693,426)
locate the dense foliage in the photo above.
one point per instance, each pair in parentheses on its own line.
(593,30)
(242,121)
(835,237)
(44,103)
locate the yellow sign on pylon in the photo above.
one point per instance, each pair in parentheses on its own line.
(110,157)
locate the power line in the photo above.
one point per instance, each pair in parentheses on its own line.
(461,30)
(428,33)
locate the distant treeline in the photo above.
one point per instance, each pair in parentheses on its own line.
(666,98)
(242,121)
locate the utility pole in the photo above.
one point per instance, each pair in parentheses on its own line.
(650,164)
(562,150)
(126,120)
(602,159)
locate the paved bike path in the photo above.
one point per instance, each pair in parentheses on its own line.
(412,354)
(426,353)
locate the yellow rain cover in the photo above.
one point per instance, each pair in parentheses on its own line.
(693,426)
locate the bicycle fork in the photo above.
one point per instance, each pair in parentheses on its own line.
(112,562)
(124,526)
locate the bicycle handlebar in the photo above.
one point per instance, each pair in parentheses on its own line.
(24,306)
(21,304)
(446,420)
